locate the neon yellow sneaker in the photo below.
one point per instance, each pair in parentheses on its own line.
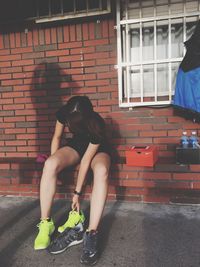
(46,229)
(73,219)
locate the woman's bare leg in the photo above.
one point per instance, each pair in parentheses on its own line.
(100,166)
(62,158)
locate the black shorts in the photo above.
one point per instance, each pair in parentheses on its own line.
(81,144)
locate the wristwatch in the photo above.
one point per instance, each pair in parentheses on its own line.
(77,193)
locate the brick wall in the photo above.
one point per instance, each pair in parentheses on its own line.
(41,66)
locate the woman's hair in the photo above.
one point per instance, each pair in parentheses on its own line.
(81,117)
(79,104)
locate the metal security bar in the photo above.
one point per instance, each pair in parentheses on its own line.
(150,36)
(71,9)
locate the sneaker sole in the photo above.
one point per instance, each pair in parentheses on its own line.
(88,264)
(70,245)
(41,248)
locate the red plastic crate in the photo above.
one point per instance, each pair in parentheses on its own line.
(145,156)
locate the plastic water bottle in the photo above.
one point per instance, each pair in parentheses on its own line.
(184,140)
(193,140)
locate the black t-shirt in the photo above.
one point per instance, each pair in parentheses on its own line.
(85,131)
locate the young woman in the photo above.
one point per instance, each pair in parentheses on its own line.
(88,146)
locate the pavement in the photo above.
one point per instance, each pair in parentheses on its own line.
(131,235)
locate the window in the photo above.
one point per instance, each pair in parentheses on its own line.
(51,10)
(150,36)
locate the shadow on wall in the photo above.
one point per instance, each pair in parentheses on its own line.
(47,96)
(51,87)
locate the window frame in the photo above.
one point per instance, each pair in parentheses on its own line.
(125,89)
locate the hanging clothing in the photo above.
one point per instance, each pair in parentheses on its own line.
(187,90)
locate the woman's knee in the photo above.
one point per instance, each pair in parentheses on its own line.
(101,172)
(51,165)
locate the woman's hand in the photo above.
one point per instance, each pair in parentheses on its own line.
(76,203)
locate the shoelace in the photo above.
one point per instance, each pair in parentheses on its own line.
(40,223)
(65,236)
(90,243)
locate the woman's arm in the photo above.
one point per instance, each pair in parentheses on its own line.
(85,164)
(55,143)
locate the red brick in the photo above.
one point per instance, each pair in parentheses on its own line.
(112,31)
(41,36)
(23,100)
(11,82)
(100,55)
(78,32)
(11,70)
(15,143)
(153,133)
(1,41)
(18,75)
(85,31)
(5,64)
(30,38)
(10,57)
(4,181)
(25,136)
(84,77)
(103,109)
(22,50)
(12,131)
(4,166)
(195,168)
(166,140)
(133,183)
(96,42)
(4,52)
(186,176)
(75,84)
(91,30)
(53,35)
(66,33)
(14,119)
(70,58)
(109,61)
(110,74)
(12,95)
(82,50)
(70,45)
(47,36)
(26,148)
(23,62)
(25,112)
(155,176)
(12,40)
(83,63)
(35,37)
(33,55)
(57,53)
(17,39)
(16,154)
(5,76)
(72,32)
(104,26)
(11,107)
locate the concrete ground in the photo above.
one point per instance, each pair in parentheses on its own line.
(131,235)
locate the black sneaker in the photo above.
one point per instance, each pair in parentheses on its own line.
(70,237)
(90,252)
